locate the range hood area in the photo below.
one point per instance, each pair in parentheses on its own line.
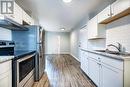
(10,24)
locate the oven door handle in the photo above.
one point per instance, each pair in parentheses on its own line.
(26,57)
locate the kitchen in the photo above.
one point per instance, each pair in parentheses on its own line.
(42,47)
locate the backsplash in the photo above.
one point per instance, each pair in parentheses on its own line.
(24,40)
(5,34)
(96,44)
(119,31)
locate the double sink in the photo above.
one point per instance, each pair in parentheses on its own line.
(114,52)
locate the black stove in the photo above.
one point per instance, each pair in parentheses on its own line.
(23,63)
(7,48)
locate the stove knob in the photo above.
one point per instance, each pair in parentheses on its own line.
(2,43)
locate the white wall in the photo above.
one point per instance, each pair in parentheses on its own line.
(5,34)
(52,43)
(74,37)
(77,36)
(119,31)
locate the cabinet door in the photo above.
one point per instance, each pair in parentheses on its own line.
(92,28)
(83,38)
(26,18)
(111,77)
(105,14)
(86,62)
(6,79)
(32,21)
(82,60)
(94,71)
(17,15)
(120,6)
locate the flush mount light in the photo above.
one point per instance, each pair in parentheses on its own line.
(67,1)
(62,29)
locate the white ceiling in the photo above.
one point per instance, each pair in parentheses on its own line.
(55,14)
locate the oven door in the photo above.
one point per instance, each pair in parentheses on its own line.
(25,69)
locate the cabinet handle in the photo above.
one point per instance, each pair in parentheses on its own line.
(12,16)
(112,14)
(98,63)
(108,14)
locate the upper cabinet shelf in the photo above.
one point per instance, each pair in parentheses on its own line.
(118,9)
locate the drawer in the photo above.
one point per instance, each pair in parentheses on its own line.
(5,66)
(30,82)
(94,56)
(112,62)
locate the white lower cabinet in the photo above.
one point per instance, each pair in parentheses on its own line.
(111,77)
(84,62)
(94,71)
(6,74)
(105,71)
(5,80)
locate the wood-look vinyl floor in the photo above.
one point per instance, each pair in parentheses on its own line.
(63,71)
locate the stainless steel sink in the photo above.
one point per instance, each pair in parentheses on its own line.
(114,52)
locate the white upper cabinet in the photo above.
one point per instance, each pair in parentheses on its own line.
(27,18)
(32,21)
(95,30)
(119,6)
(92,28)
(83,38)
(116,10)
(17,14)
(105,14)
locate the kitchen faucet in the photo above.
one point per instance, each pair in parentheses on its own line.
(117,47)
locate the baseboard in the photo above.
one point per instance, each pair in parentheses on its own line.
(75,57)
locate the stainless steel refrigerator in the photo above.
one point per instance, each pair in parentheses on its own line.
(40,59)
(37,34)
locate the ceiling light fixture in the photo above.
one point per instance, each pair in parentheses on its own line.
(62,29)
(67,1)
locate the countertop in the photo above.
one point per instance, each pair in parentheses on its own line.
(17,55)
(20,53)
(118,57)
(5,58)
